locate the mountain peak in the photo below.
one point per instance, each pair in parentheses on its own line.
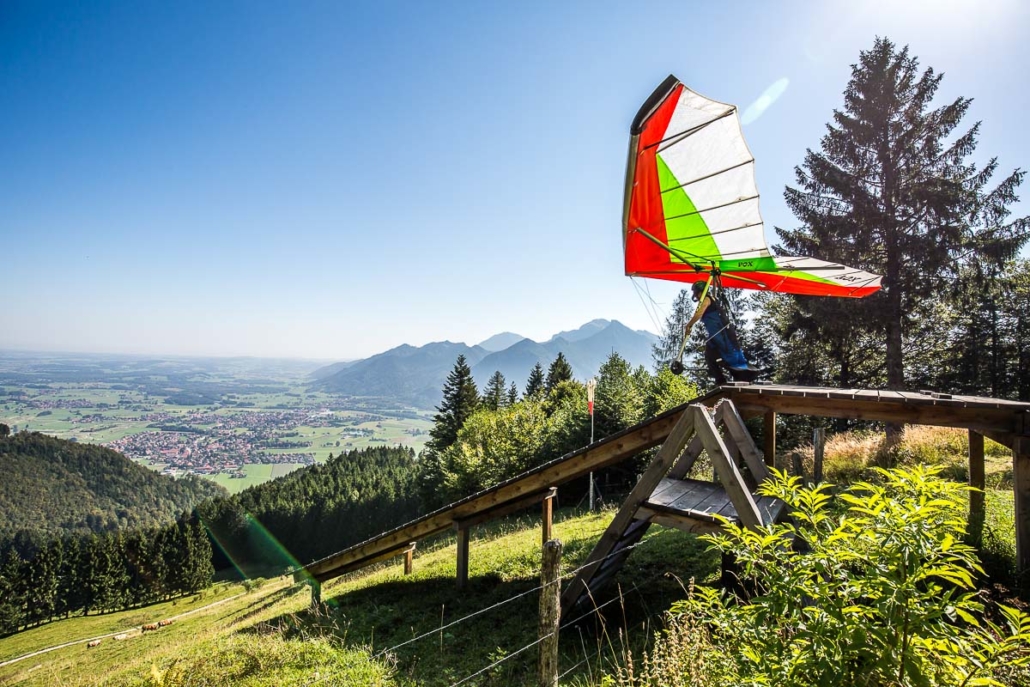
(498,342)
(587,330)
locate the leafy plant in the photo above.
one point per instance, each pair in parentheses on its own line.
(877,592)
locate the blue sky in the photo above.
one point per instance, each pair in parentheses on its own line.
(329,180)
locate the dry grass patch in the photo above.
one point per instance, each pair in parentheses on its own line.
(848,455)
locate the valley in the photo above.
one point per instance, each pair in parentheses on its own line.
(236,423)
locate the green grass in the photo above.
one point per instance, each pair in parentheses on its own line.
(269,637)
(82,627)
(256,474)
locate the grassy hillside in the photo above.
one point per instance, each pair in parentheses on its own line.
(59,487)
(268,637)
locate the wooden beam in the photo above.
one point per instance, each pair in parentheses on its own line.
(978,482)
(999,420)
(385,556)
(547,513)
(735,427)
(686,461)
(769,437)
(685,524)
(729,475)
(515,506)
(670,450)
(463,556)
(601,454)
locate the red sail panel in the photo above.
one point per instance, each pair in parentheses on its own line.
(645,209)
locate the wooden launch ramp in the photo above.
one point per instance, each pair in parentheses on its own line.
(663,496)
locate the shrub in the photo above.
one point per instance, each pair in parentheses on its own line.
(879,593)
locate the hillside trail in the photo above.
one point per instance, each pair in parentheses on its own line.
(129,633)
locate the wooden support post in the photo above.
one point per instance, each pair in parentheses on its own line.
(818,448)
(732,481)
(409,559)
(548,512)
(686,461)
(667,454)
(978,483)
(769,437)
(799,471)
(463,556)
(316,592)
(550,613)
(1021,487)
(727,414)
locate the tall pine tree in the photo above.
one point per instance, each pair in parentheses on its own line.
(460,400)
(892,191)
(513,394)
(495,394)
(559,371)
(535,383)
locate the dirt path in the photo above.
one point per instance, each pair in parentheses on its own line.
(128,633)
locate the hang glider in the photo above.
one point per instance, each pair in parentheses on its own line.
(691,205)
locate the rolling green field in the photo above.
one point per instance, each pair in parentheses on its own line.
(255,474)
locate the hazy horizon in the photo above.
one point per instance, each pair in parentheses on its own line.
(327,181)
(330,360)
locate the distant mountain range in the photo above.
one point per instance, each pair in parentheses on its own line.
(416,375)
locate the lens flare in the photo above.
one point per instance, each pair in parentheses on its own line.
(768,97)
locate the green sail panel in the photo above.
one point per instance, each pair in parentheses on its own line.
(685,228)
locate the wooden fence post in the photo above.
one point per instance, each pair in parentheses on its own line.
(769,437)
(550,613)
(818,447)
(978,482)
(1021,487)
(799,471)
(409,559)
(463,556)
(548,513)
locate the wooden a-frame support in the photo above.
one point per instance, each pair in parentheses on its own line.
(696,430)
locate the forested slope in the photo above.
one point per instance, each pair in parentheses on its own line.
(56,487)
(317,510)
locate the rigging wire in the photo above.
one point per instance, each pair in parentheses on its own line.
(651,309)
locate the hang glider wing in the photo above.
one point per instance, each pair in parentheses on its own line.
(691,204)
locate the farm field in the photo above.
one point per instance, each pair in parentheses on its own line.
(239,425)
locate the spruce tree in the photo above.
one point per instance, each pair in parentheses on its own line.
(559,371)
(535,383)
(460,400)
(71,597)
(495,395)
(892,191)
(43,569)
(13,584)
(99,574)
(619,399)
(513,394)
